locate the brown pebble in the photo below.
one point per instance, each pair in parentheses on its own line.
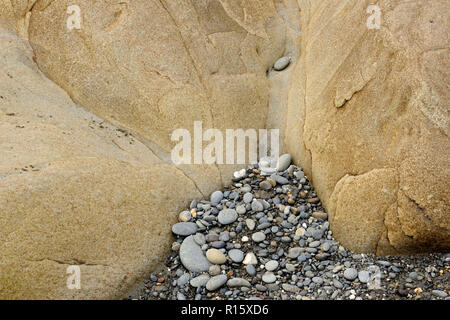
(320,215)
(161,280)
(313,200)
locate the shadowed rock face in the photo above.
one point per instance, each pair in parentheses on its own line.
(365,112)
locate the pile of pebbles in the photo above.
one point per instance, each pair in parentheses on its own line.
(267,237)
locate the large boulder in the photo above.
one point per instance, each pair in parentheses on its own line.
(75,191)
(368,118)
(86,177)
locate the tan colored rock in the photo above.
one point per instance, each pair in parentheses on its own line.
(90,188)
(368,118)
(75,190)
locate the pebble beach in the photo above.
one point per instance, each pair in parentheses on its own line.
(267,236)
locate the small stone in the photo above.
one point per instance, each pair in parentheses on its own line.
(326,246)
(214,270)
(257,206)
(176,246)
(300,232)
(216,282)
(250,270)
(384,263)
(290,267)
(282,63)
(269,277)
(364,276)
(290,288)
(258,237)
(199,281)
(279,179)
(284,162)
(200,239)
(248,197)
(211,237)
(350,274)
(337,284)
(265,185)
(236,255)
(227,216)
(320,215)
(184,216)
(216,197)
(218,244)
(314,244)
(184,228)
(250,258)
(250,224)
(260,287)
(317,280)
(183,279)
(191,256)
(294,252)
(241,209)
(224,236)
(271,265)
(215,256)
(439,293)
(299,175)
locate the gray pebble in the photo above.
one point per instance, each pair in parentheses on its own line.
(238,282)
(258,237)
(364,276)
(184,228)
(282,63)
(192,257)
(236,255)
(216,197)
(200,281)
(269,277)
(216,282)
(250,270)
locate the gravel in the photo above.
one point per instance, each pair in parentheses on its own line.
(252,241)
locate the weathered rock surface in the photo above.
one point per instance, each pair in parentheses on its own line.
(365,112)
(87,185)
(368,119)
